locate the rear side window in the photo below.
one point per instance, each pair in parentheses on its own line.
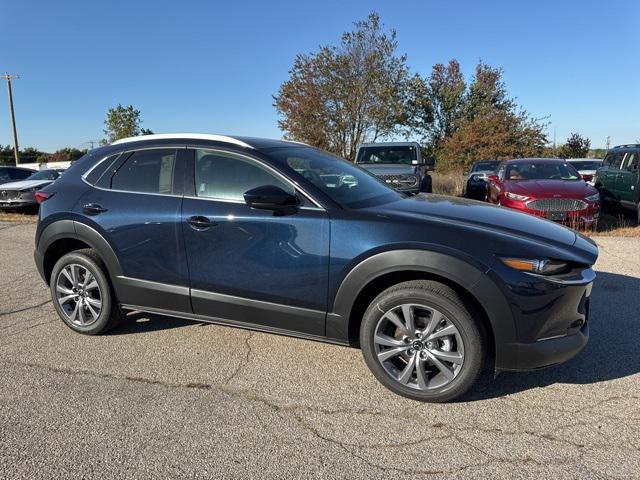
(146,171)
(96,172)
(631,161)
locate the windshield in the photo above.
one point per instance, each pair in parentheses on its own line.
(586,165)
(404,154)
(485,166)
(342,181)
(542,171)
(45,175)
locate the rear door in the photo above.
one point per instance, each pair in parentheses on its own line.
(248,265)
(627,179)
(135,205)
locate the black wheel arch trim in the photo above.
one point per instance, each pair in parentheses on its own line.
(62,229)
(471,278)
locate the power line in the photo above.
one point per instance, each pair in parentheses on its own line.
(8,78)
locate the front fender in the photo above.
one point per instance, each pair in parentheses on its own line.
(477,282)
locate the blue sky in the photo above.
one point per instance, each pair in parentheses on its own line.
(214,66)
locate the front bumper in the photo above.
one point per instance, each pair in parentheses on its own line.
(551,317)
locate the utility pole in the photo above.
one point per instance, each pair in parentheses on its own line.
(8,78)
(608,142)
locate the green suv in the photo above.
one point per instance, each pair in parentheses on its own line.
(619,177)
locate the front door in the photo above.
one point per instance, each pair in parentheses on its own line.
(253,266)
(627,179)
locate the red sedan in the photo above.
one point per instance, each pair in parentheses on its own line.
(549,188)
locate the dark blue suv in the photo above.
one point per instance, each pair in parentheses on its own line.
(284,238)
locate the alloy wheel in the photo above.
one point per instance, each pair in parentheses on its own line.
(418,346)
(78,295)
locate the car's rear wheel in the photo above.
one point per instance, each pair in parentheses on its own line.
(421,341)
(82,295)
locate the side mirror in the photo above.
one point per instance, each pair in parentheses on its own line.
(429,162)
(493,178)
(270,197)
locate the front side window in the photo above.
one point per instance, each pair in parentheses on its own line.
(345,183)
(146,171)
(501,170)
(226,176)
(613,160)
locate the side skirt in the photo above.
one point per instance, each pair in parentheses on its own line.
(233,323)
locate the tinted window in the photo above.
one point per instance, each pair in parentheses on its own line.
(342,181)
(631,161)
(146,171)
(45,175)
(93,176)
(19,174)
(4,175)
(227,176)
(613,160)
(388,154)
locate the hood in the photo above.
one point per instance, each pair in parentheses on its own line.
(551,188)
(388,168)
(482,215)
(25,184)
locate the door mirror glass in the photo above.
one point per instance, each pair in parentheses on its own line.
(270,197)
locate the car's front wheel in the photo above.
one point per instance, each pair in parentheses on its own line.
(82,295)
(421,341)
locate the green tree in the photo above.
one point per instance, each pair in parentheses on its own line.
(576,146)
(146,131)
(121,122)
(487,92)
(359,91)
(447,89)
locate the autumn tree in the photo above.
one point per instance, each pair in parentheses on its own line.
(576,146)
(121,122)
(358,91)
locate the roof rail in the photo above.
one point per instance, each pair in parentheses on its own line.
(185,136)
(629,145)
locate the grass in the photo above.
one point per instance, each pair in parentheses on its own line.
(18,217)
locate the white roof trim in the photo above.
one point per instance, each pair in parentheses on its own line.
(186,136)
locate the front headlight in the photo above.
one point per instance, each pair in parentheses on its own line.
(478,178)
(542,267)
(593,198)
(515,196)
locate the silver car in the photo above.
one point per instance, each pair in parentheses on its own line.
(586,167)
(19,195)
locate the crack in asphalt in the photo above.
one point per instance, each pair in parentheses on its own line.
(31,307)
(245,362)
(297,412)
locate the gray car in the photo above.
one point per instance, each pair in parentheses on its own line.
(21,194)
(398,164)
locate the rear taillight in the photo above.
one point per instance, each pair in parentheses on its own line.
(42,196)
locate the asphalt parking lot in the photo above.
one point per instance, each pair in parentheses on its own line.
(162,397)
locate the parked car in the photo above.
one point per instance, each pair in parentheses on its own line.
(11,174)
(549,188)
(586,167)
(476,184)
(262,234)
(399,164)
(619,177)
(21,194)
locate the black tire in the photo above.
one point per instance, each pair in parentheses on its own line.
(110,314)
(448,302)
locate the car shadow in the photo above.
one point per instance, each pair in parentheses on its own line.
(141,322)
(611,353)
